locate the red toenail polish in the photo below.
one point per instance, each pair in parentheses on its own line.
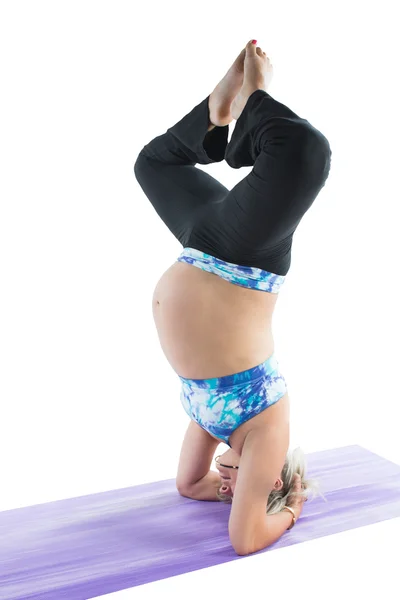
(254,41)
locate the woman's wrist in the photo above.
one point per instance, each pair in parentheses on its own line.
(297,508)
(292,513)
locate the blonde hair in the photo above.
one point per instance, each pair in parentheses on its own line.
(295,462)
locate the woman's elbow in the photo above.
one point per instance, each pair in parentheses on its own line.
(245,550)
(242,550)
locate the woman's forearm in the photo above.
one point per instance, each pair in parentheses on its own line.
(206,488)
(275,527)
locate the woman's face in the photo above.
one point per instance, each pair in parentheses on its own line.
(228,475)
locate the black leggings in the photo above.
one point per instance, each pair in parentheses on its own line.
(253,224)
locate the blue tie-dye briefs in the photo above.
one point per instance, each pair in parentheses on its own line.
(221,404)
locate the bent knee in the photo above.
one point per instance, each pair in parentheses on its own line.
(316,151)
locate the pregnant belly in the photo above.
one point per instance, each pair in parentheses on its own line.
(208,327)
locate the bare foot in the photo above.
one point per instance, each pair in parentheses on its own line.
(220,100)
(258,73)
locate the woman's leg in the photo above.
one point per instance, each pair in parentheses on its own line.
(166,171)
(254,224)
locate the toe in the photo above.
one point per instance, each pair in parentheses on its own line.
(259,51)
(251,48)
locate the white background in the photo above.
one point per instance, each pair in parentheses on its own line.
(88,400)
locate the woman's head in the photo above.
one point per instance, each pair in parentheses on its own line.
(280,496)
(227,466)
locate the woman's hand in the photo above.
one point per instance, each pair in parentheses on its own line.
(296,501)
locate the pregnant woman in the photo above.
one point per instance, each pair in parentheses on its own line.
(213,307)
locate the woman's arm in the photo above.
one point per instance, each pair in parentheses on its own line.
(196,456)
(275,527)
(261,462)
(205,489)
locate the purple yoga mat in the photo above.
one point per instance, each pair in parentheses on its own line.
(93,545)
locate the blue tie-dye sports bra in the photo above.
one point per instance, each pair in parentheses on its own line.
(250,277)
